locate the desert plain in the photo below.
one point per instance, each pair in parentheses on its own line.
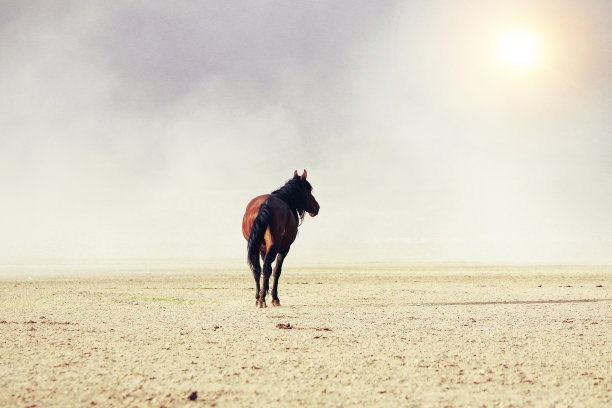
(352,335)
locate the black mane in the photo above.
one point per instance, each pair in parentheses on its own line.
(292,194)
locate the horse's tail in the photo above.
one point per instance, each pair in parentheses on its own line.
(258,230)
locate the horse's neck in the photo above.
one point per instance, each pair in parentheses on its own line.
(289,200)
(291,203)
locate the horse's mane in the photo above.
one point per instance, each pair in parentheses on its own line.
(292,194)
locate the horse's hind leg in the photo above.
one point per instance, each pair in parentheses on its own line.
(267,271)
(277,273)
(256,276)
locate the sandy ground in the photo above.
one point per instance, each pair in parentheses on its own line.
(375,336)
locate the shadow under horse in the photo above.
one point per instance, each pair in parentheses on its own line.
(270,225)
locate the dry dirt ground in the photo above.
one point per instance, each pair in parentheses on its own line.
(350,336)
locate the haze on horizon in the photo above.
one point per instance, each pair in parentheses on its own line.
(142,129)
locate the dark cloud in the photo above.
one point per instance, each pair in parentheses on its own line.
(143,128)
(256,47)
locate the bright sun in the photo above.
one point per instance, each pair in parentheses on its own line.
(519,49)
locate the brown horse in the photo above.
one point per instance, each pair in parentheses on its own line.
(270,226)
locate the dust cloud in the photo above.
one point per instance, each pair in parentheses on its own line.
(141,130)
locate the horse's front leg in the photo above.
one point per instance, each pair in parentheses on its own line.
(266,272)
(277,273)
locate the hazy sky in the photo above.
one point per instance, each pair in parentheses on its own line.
(143,128)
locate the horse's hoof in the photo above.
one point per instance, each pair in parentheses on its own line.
(260,304)
(275,302)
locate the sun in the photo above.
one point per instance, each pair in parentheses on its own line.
(519,49)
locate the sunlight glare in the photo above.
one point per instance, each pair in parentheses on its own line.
(519,49)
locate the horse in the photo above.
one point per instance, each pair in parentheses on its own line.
(270,225)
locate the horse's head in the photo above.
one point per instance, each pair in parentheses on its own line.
(310,204)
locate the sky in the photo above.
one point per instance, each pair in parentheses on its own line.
(141,129)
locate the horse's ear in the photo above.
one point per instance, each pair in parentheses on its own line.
(295,174)
(303,177)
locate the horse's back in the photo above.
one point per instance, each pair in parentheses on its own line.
(282,229)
